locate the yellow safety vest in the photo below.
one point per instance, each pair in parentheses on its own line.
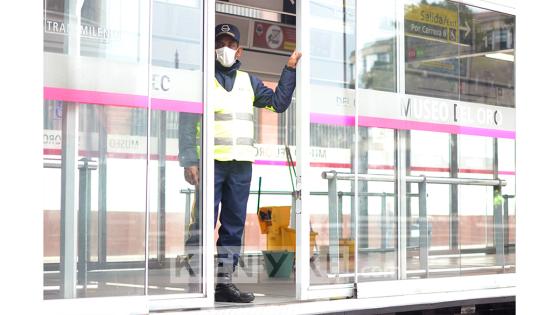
(233,120)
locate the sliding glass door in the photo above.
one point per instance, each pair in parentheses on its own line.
(123,116)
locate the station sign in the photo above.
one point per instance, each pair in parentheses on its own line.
(401,111)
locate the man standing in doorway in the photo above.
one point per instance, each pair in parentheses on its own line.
(236,93)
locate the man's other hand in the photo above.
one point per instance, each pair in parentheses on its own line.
(191,175)
(293,60)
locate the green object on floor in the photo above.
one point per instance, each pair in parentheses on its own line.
(278,264)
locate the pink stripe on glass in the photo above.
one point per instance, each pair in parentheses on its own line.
(328,119)
(95,97)
(118,99)
(341,120)
(416,125)
(177,106)
(269,162)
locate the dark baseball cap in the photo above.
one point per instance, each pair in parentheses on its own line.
(228,29)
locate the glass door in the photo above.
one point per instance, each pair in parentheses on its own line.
(402,170)
(326,152)
(180,251)
(95,132)
(451,114)
(377,203)
(120,77)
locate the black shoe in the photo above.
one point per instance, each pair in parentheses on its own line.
(228,292)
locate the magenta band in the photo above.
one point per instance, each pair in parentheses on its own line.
(486,132)
(117,99)
(268,162)
(506,172)
(328,119)
(177,106)
(95,97)
(416,125)
(366,121)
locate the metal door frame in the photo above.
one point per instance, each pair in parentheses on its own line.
(446,288)
(304,289)
(143,304)
(206,298)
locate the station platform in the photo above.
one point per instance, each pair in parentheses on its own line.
(479,302)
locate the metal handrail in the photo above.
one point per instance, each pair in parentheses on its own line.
(57,163)
(415,179)
(313,193)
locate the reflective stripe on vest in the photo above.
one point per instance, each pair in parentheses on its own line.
(240,116)
(233,120)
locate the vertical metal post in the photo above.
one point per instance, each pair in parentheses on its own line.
(161,185)
(498,226)
(453,193)
(402,201)
(353,221)
(102,191)
(506,224)
(83,223)
(498,204)
(401,148)
(340,215)
(423,227)
(293,212)
(68,226)
(206,199)
(188,217)
(69,186)
(147,195)
(384,221)
(334,237)
(362,160)
(406,151)
(359,218)
(302,149)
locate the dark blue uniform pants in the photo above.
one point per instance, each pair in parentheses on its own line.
(232,181)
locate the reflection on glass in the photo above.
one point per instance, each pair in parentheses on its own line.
(175,219)
(475,156)
(506,171)
(333,42)
(478,230)
(376,208)
(487,47)
(430,156)
(432,48)
(110,216)
(108,29)
(476,205)
(106,137)
(332,80)
(377,211)
(377,67)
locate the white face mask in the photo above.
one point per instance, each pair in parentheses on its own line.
(226,56)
